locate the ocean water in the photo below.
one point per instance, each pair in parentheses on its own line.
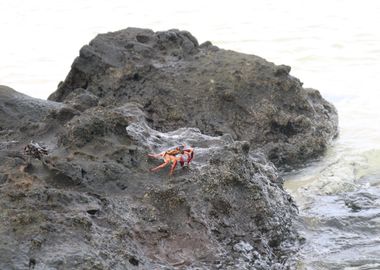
(331,45)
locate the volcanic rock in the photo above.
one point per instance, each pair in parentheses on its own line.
(91,202)
(181,84)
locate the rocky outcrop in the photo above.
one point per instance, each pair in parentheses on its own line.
(91,202)
(182,84)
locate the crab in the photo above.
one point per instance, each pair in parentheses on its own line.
(179,154)
(35,150)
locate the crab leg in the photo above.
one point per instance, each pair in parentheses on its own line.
(173,167)
(166,162)
(155,155)
(190,155)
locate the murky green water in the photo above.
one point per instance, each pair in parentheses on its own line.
(339,201)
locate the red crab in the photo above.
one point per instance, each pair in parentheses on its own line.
(179,154)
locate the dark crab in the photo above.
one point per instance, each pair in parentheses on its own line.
(35,150)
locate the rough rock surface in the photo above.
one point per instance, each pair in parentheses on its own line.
(182,84)
(92,203)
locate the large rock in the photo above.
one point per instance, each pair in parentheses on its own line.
(92,203)
(182,84)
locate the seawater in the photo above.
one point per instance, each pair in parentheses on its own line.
(331,45)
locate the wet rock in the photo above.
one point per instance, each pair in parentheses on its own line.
(32,263)
(182,84)
(92,202)
(227,197)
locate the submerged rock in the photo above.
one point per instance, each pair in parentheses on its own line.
(91,202)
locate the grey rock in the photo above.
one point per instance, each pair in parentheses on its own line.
(91,202)
(181,84)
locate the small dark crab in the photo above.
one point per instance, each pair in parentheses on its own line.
(179,154)
(35,150)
